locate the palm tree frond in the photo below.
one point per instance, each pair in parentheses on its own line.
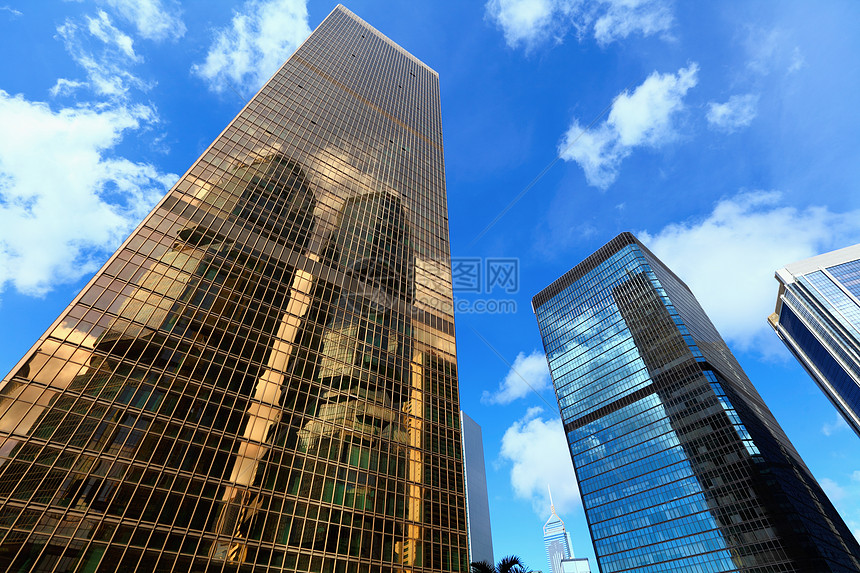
(510,564)
(482,567)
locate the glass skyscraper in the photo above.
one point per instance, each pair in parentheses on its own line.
(477,500)
(680,464)
(263,376)
(818,318)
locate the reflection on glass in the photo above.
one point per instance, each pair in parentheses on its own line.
(252,381)
(680,464)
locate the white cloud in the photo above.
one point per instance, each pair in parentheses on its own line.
(642,118)
(533,22)
(65,200)
(106,65)
(837,425)
(526,21)
(845,495)
(763,48)
(623,18)
(11,10)
(526,371)
(798,62)
(65,87)
(596,150)
(728,259)
(154,19)
(260,38)
(772,51)
(834,491)
(538,453)
(103,29)
(734,114)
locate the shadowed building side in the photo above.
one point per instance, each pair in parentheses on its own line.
(477,499)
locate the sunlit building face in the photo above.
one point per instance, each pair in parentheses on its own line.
(263,376)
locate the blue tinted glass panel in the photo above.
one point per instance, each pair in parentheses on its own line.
(841,382)
(848,275)
(646,507)
(680,464)
(843,308)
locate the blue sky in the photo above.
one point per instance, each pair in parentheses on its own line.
(723,134)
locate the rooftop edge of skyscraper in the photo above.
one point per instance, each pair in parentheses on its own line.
(823,260)
(591,262)
(382,36)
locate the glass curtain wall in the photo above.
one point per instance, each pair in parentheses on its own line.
(680,464)
(264,375)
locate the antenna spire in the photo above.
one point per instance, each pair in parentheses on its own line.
(551,504)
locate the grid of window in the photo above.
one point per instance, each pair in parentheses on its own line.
(556,542)
(837,379)
(680,464)
(840,305)
(848,275)
(264,375)
(821,327)
(821,340)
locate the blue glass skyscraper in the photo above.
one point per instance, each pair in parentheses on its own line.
(680,464)
(818,318)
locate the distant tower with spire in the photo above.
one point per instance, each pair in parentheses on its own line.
(559,549)
(556,539)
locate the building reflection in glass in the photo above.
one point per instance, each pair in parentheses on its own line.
(264,375)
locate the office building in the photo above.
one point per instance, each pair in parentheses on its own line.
(818,318)
(559,548)
(556,540)
(263,376)
(477,500)
(575,566)
(680,464)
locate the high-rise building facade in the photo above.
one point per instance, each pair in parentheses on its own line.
(556,540)
(263,376)
(680,464)
(477,499)
(818,318)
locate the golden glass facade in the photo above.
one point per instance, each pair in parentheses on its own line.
(263,377)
